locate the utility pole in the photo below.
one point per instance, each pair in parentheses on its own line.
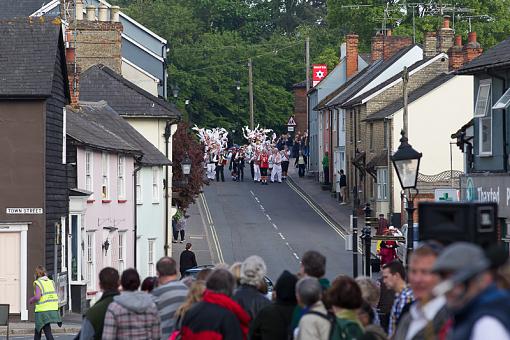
(405,80)
(307,61)
(250,90)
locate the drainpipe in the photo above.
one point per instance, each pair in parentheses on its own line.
(165,64)
(505,149)
(137,168)
(167,135)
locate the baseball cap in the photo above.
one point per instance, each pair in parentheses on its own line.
(464,260)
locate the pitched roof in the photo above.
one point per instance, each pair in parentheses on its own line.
(374,70)
(86,131)
(102,83)
(19,8)
(359,99)
(497,56)
(28,52)
(415,95)
(103,115)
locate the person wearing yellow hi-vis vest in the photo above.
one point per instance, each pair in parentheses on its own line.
(46,304)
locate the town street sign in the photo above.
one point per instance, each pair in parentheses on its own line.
(24,211)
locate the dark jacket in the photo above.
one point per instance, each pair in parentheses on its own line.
(208,321)
(187,260)
(93,322)
(491,302)
(272,322)
(250,299)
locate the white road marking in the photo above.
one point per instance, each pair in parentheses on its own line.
(268,217)
(281,235)
(262,207)
(214,234)
(275,226)
(296,256)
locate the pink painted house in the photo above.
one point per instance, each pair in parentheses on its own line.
(102,234)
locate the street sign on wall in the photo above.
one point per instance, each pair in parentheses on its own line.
(320,71)
(446,195)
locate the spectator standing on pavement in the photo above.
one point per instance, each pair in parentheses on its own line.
(295,148)
(314,324)
(300,164)
(371,293)
(394,277)
(46,304)
(169,294)
(217,316)
(343,186)
(195,295)
(325,167)
(366,316)
(149,283)
(132,315)
(273,321)
(93,321)
(388,249)
(481,311)
(382,225)
(179,225)
(247,295)
(187,260)
(345,296)
(428,315)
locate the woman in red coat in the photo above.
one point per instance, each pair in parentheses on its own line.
(264,165)
(388,250)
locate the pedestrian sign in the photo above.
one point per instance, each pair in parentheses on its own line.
(291,121)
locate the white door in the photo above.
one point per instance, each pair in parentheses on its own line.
(10,276)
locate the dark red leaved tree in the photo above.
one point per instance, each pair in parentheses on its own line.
(186,188)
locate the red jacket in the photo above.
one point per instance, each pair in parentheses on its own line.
(264,161)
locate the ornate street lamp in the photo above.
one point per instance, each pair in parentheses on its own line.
(186,165)
(175,90)
(238,85)
(406,162)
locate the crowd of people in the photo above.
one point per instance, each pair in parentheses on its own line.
(457,292)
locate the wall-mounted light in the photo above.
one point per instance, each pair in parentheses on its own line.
(105,246)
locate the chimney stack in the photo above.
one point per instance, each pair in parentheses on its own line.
(115,13)
(91,13)
(472,48)
(79,10)
(445,36)
(351,55)
(102,12)
(385,45)
(455,54)
(430,45)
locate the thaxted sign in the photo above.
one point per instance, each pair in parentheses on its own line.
(24,211)
(488,188)
(320,71)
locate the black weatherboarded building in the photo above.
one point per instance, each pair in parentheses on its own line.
(34,196)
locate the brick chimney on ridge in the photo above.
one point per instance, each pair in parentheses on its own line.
(385,45)
(472,49)
(445,36)
(456,54)
(351,55)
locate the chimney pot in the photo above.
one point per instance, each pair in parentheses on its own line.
(102,12)
(458,41)
(91,12)
(115,13)
(446,22)
(79,10)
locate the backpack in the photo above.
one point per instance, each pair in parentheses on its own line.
(341,329)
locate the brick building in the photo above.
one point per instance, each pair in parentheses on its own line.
(300,102)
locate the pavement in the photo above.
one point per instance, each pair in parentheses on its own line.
(71,324)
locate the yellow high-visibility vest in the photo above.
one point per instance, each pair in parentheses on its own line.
(49,297)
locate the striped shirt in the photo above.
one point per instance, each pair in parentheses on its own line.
(405,297)
(168,298)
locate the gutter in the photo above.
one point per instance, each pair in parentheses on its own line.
(135,236)
(505,148)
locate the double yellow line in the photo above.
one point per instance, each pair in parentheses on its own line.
(214,234)
(317,210)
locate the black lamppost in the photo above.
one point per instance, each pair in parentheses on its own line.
(175,90)
(406,162)
(186,165)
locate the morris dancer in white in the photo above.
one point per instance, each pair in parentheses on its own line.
(211,165)
(276,174)
(256,166)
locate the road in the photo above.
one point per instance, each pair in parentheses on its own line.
(275,222)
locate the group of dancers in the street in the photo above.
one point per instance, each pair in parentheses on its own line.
(268,158)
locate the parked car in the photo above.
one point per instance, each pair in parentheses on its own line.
(402,246)
(194,271)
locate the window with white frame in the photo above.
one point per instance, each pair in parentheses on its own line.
(88,171)
(138,179)
(122,252)
(151,257)
(90,257)
(483,98)
(105,187)
(382,184)
(121,184)
(483,110)
(155,184)
(335,119)
(63,243)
